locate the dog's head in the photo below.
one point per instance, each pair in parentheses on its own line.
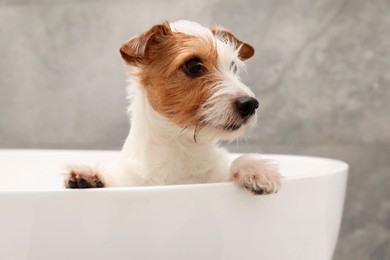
(190,74)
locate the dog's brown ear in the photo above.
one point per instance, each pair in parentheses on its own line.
(134,51)
(246,51)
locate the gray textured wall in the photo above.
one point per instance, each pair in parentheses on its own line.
(321,71)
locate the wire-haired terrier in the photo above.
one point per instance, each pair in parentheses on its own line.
(186,96)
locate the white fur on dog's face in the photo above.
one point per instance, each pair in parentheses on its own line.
(205,103)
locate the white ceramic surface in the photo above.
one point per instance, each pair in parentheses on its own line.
(39,220)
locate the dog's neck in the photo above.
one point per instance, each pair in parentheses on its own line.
(165,153)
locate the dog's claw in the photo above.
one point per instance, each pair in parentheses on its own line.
(99,184)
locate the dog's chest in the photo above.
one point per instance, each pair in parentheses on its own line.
(175,166)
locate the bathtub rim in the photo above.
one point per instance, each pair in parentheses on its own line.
(339,168)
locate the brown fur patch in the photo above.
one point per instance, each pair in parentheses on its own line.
(246,50)
(134,51)
(170,91)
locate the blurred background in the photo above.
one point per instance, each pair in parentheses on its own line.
(321,72)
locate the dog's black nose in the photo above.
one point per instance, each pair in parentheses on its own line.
(246,106)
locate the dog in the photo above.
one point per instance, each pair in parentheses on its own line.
(186,96)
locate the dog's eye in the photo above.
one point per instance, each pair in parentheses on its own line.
(193,67)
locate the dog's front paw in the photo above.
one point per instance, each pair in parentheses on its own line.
(82,177)
(257,175)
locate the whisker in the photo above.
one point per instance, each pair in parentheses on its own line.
(196,127)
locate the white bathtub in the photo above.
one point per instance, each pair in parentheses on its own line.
(40,220)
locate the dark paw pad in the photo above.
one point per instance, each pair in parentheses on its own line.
(82,178)
(254,191)
(258,192)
